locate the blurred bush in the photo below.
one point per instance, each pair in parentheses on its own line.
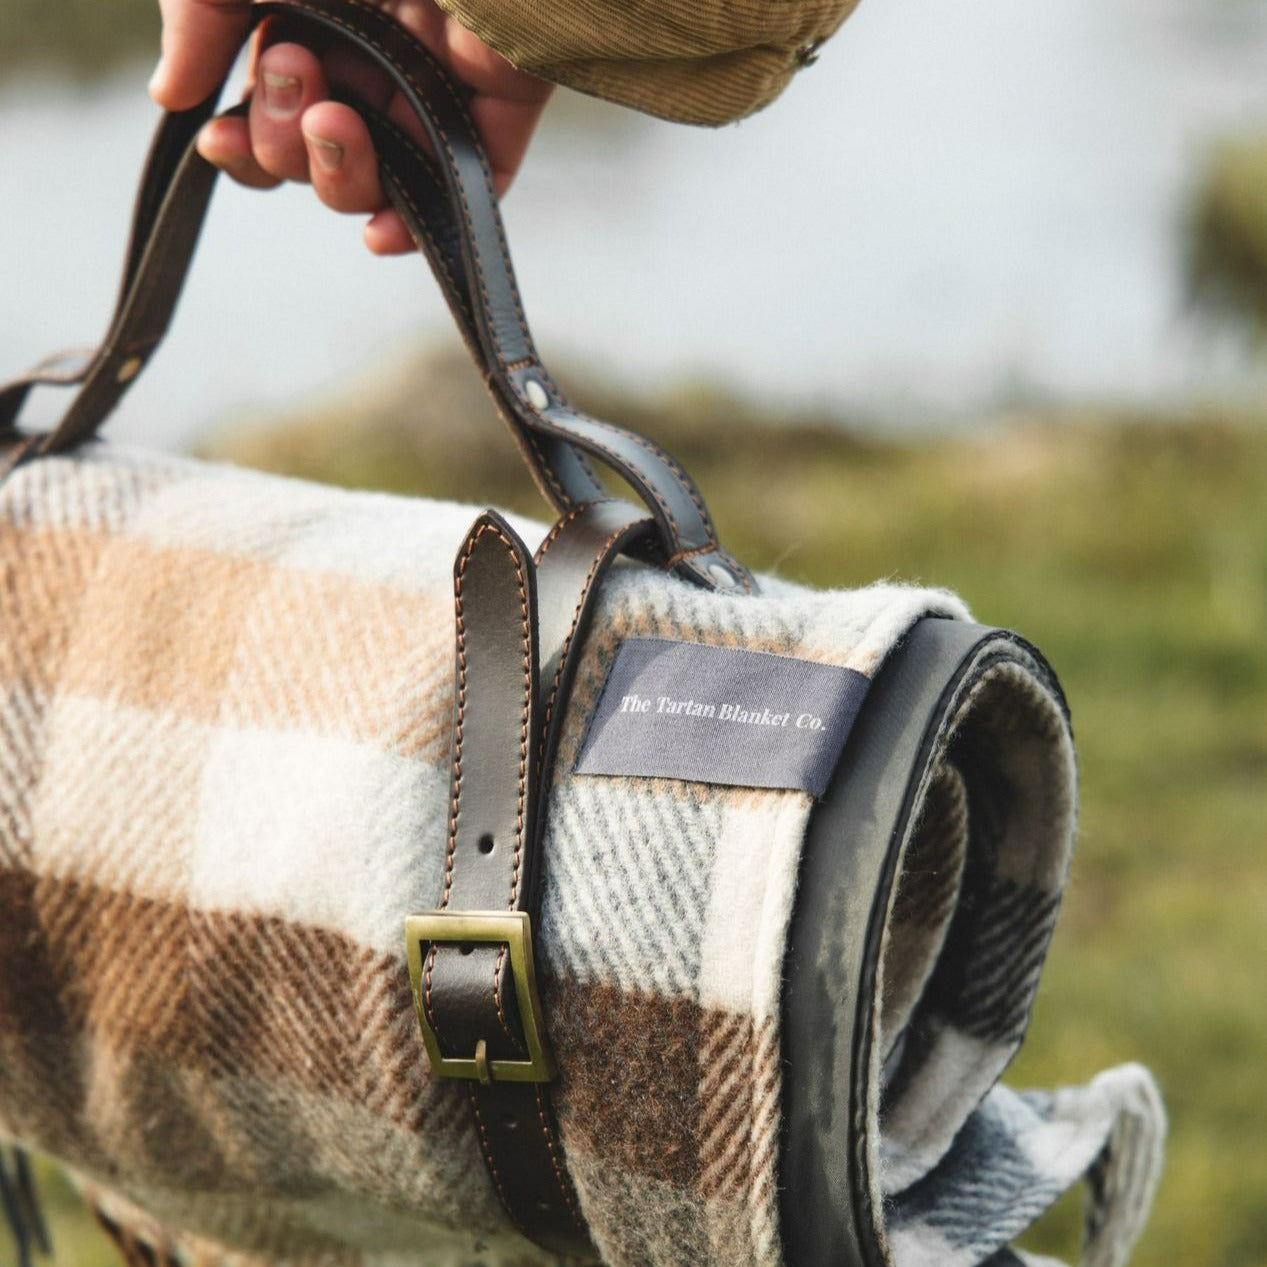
(1227,247)
(84,36)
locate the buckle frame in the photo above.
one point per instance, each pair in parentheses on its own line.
(513,929)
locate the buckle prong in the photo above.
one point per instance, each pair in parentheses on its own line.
(513,929)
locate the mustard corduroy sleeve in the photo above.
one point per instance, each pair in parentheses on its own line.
(693,61)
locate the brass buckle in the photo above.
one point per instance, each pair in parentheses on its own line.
(513,929)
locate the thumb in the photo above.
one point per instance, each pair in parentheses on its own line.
(200,40)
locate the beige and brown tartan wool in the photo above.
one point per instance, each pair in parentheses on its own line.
(224,784)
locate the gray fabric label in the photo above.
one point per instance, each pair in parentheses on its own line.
(684,710)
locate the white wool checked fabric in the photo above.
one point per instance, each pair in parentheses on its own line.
(224,784)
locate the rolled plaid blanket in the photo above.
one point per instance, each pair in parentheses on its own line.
(224,773)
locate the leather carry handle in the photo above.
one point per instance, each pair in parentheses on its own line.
(453,216)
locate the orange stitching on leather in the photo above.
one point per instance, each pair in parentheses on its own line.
(581,456)
(738,569)
(444,82)
(460,106)
(487,1149)
(459,723)
(561,1178)
(516,298)
(684,480)
(611,453)
(159,267)
(456,787)
(668,458)
(497,1002)
(682,555)
(554,532)
(463,300)
(543,463)
(525,719)
(618,462)
(436,255)
(552,697)
(525,722)
(460,720)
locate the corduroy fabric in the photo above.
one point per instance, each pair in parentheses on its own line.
(705,62)
(224,781)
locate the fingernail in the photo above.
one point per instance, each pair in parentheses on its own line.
(281,93)
(328,155)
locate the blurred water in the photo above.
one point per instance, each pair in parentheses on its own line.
(960,202)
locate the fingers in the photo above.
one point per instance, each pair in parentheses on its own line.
(294,132)
(227,144)
(506,127)
(341,159)
(200,40)
(288,80)
(507,102)
(385,234)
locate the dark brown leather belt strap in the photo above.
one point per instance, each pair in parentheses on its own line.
(519,624)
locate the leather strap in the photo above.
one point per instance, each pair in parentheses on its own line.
(459,210)
(519,625)
(173,138)
(848,871)
(14,450)
(570,563)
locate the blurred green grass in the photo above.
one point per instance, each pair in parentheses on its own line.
(78,1241)
(1133,551)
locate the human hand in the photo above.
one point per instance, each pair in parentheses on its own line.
(295,132)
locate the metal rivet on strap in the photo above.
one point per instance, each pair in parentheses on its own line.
(537,395)
(128,370)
